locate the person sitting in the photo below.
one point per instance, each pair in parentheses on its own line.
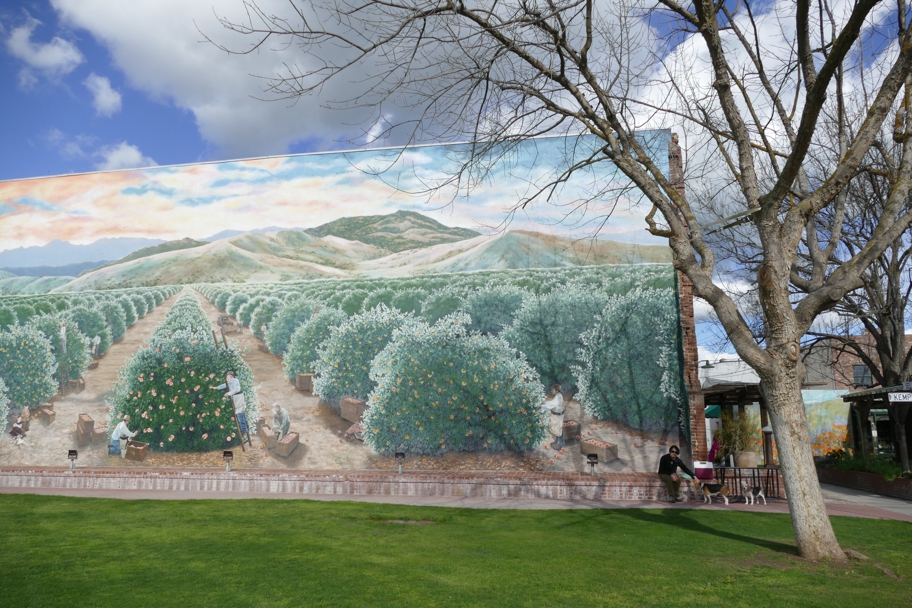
(17,428)
(668,472)
(280,421)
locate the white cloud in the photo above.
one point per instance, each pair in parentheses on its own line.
(122,156)
(183,69)
(106,100)
(53,59)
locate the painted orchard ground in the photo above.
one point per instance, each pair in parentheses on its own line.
(321,429)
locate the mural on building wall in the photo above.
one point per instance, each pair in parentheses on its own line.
(332,310)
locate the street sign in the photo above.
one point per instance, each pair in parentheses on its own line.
(900,397)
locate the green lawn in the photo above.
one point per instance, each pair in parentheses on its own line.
(231,553)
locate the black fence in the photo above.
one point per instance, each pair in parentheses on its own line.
(767,479)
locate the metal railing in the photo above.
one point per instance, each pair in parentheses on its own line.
(762,477)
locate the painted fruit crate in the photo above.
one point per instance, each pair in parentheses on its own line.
(304,383)
(83,437)
(572,430)
(268,437)
(287,445)
(47,414)
(606,451)
(85,423)
(93,365)
(100,435)
(353,409)
(137,450)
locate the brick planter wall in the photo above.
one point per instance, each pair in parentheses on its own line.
(866,482)
(608,487)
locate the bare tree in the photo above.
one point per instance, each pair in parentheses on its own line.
(748,83)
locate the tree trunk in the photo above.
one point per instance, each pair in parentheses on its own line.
(813,532)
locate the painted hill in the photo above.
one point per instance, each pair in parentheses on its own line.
(66,270)
(253,258)
(154,249)
(395,232)
(515,249)
(31,285)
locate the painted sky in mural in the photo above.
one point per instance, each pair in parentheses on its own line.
(305,191)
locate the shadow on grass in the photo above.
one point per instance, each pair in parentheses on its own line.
(679,519)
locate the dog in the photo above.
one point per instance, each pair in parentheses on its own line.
(711,489)
(752,493)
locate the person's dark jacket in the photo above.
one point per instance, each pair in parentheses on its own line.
(667,466)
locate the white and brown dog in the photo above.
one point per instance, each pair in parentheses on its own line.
(752,493)
(709,490)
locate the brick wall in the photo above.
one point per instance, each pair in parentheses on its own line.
(698,446)
(866,482)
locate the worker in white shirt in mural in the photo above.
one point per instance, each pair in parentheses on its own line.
(554,407)
(236,396)
(120,436)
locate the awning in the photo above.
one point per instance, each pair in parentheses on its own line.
(713,411)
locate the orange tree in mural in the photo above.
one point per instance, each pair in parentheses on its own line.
(783,103)
(442,389)
(27,365)
(165,387)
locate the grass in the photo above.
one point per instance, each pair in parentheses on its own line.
(232,553)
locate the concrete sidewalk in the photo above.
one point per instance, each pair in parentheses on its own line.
(840,501)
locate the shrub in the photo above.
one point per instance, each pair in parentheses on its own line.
(440,303)
(7,317)
(165,390)
(235,302)
(44,307)
(548,328)
(494,308)
(27,365)
(351,303)
(139,302)
(221,299)
(343,366)
(92,323)
(284,324)
(126,305)
(115,317)
(150,301)
(630,369)
(440,389)
(245,312)
(24,312)
(302,349)
(76,360)
(381,296)
(408,300)
(263,315)
(186,314)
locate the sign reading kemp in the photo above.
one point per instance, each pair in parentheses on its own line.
(332,310)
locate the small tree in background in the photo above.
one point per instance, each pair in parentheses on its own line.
(263,315)
(380,296)
(494,307)
(343,366)
(92,323)
(440,303)
(4,401)
(27,365)
(302,349)
(547,330)
(408,300)
(7,317)
(235,302)
(75,362)
(352,302)
(629,369)
(286,321)
(245,312)
(129,310)
(115,318)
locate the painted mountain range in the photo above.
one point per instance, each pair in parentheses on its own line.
(399,244)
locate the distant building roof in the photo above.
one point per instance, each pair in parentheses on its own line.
(727,374)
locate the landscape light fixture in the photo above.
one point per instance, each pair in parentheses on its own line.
(228,455)
(72,455)
(400,456)
(592,459)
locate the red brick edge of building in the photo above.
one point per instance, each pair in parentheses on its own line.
(698,446)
